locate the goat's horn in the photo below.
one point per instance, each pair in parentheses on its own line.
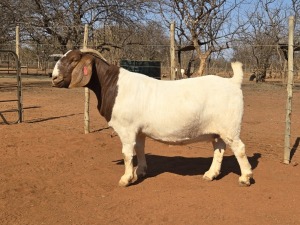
(93,51)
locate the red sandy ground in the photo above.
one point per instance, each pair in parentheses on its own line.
(52,173)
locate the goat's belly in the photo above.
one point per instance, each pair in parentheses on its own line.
(187,140)
(180,137)
(180,131)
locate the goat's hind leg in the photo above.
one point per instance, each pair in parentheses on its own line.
(214,170)
(238,149)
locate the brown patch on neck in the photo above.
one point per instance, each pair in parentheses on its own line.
(109,91)
(104,85)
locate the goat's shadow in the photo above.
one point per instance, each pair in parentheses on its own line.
(190,166)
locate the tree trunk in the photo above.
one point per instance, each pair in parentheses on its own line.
(203,56)
(203,60)
(202,66)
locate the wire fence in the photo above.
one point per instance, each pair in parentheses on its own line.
(39,62)
(117,44)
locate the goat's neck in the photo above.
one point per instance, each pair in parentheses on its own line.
(95,86)
(104,85)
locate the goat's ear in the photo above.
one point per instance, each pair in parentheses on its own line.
(82,73)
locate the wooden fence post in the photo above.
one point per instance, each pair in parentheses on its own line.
(86,91)
(19,81)
(18,41)
(172,51)
(287,149)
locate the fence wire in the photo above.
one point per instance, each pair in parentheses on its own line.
(116,44)
(140,43)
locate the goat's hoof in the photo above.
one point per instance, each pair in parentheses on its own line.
(140,172)
(125,182)
(208,176)
(244,182)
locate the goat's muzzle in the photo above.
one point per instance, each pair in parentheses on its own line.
(58,82)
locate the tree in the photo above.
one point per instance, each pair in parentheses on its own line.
(118,42)
(265,31)
(60,23)
(207,25)
(7,25)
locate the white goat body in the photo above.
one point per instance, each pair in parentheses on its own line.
(208,108)
(178,111)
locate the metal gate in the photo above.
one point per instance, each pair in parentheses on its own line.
(11,107)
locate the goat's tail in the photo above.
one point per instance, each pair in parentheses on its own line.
(238,74)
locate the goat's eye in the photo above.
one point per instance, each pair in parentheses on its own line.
(76,58)
(74,63)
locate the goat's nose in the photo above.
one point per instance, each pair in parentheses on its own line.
(56,81)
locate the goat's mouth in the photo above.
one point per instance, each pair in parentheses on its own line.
(58,82)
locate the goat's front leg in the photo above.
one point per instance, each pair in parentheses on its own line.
(128,176)
(140,153)
(214,170)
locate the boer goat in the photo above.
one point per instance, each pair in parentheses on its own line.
(208,108)
(259,77)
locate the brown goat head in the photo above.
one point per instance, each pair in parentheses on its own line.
(74,69)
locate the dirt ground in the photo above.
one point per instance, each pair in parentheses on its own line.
(53,173)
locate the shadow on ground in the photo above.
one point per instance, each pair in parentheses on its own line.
(187,166)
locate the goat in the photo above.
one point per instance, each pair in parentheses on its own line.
(208,108)
(252,77)
(259,77)
(181,72)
